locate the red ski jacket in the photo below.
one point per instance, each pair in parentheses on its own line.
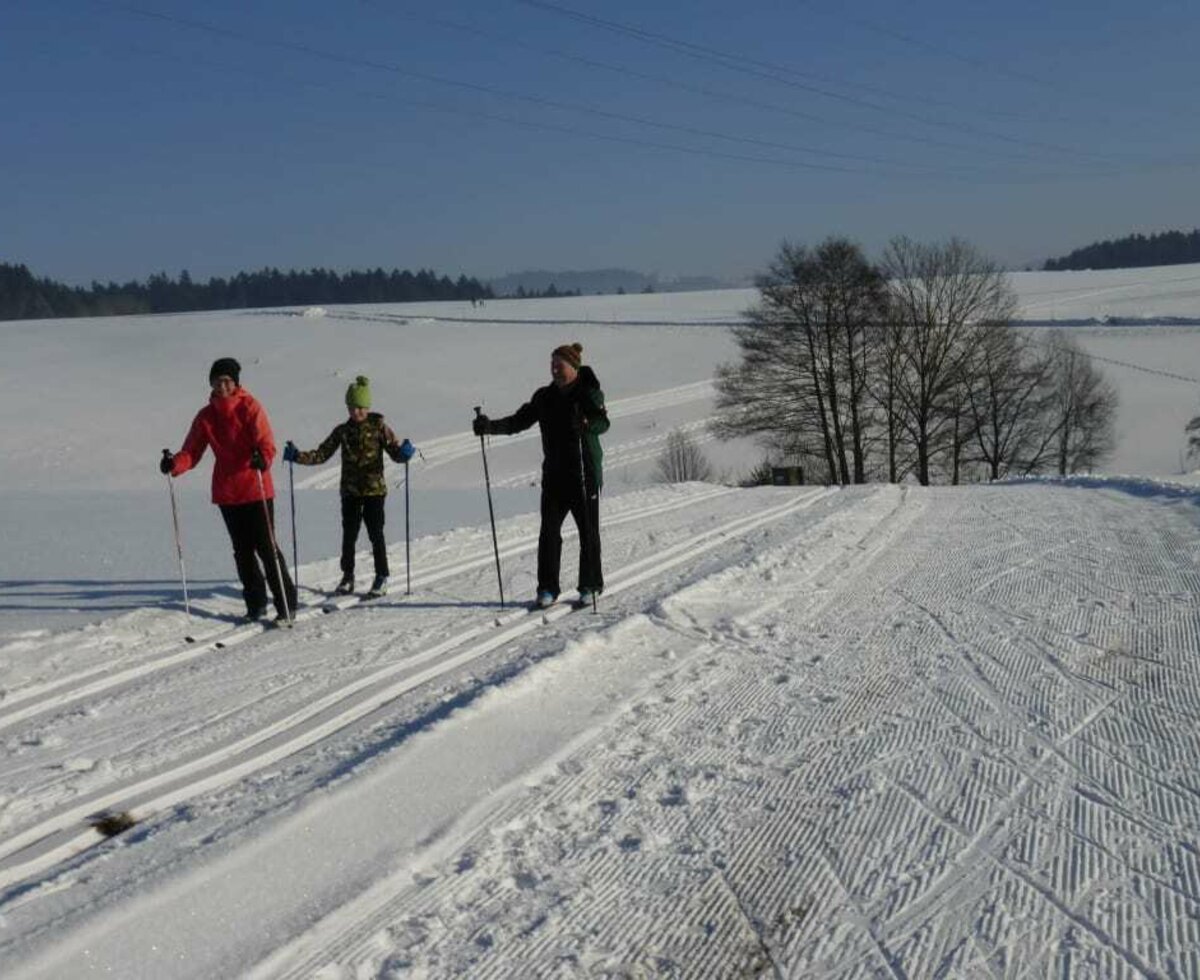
(233,427)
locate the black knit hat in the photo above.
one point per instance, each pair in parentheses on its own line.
(225,367)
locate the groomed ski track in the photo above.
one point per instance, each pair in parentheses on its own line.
(876,732)
(412,660)
(153,655)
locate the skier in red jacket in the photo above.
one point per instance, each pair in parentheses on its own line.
(236,427)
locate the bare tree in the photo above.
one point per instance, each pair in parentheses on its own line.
(1009,398)
(1083,409)
(682,461)
(885,343)
(1193,436)
(941,297)
(806,357)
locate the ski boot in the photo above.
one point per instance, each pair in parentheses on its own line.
(254,615)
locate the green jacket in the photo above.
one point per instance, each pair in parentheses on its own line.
(363,445)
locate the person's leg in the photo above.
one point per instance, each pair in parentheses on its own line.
(554,509)
(239,522)
(373,517)
(273,562)
(590,576)
(351,521)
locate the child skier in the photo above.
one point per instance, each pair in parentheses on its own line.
(363,439)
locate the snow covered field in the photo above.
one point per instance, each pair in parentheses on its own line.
(869,732)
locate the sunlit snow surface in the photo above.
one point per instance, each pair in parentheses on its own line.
(873,732)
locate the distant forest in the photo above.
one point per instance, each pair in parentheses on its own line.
(1133,251)
(24,296)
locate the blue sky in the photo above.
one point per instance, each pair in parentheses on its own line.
(490,137)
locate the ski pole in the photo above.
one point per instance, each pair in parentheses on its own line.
(407,551)
(262,493)
(487,482)
(295,547)
(587,517)
(187,606)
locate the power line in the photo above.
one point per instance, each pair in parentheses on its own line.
(699,89)
(590,62)
(774,72)
(937,49)
(335,57)
(429,106)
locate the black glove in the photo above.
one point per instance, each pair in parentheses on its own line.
(256,460)
(167,463)
(480,425)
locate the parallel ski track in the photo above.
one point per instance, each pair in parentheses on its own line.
(64,834)
(39,699)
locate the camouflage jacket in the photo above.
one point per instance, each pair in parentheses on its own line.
(363,445)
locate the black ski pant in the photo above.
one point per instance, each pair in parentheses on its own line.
(253,543)
(357,511)
(557,502)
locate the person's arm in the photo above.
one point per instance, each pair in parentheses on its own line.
(595,415)
(519,421)
(400,452)
(314,457)
(264,438)
(193,448)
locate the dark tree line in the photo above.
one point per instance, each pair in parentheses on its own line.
(1133,251)
(907,369)
(550,292)
(24,296)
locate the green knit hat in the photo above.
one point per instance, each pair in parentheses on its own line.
(358,395)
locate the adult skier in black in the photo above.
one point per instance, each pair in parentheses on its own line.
(571,415)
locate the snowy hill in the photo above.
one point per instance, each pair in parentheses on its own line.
(809,732)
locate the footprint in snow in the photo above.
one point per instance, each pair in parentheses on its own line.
(675,796)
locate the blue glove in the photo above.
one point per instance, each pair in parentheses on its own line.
(290,452)
(407,451)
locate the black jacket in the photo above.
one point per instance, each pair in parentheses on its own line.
(565,415)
